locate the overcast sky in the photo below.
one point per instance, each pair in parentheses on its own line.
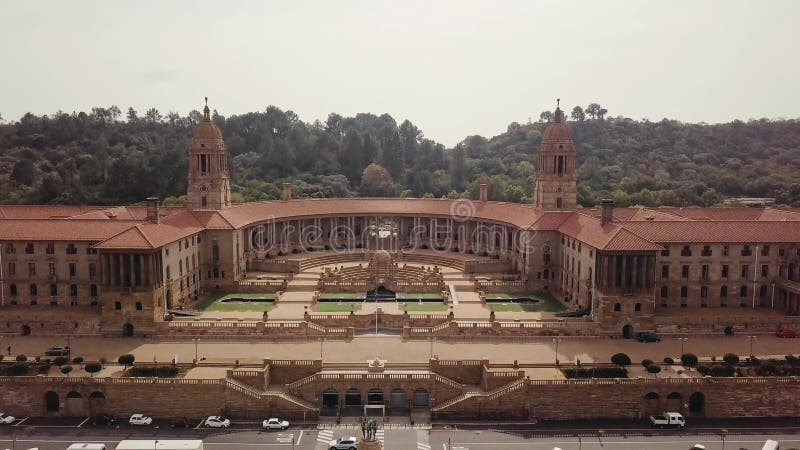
(454,68)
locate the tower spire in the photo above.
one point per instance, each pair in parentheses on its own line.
(206,112)
(559,115)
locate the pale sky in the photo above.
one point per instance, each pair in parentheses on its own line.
(454,68)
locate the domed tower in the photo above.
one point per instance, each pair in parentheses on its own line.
(209,184)
(556,183)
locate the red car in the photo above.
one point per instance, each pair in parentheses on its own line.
(786,333)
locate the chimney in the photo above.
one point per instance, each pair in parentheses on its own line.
(606,211)
(484,192)
(287,191)
(152,209)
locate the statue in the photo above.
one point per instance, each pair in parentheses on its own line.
(368,429)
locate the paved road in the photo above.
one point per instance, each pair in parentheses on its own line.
(59,437)
(393,348)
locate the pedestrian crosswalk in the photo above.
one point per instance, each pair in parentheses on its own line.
(285,438)
(422,446)
(379,436)
(325,436)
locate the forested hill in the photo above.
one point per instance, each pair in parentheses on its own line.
(109,157)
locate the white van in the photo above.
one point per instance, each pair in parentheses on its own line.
(82,446)
(771,445)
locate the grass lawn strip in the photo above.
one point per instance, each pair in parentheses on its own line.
(416,306)
(337,307)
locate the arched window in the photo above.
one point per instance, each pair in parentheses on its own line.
(12,290)
(664,291)
(743,291)
(617,306)
(33,290)
(723,291)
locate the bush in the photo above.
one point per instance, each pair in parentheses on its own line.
(669,361)
(154,371)
(14,370)
(621,359)
(754,361)
(689,359)
(653,368)
(768,369)
(646,363)
(599,372)
(704,369)
(22,358)
(126,360)
(1,358)
(77,360)
(43,368)
(92,368)
(791,359)
(722,370)
(66,369)
(60,361)
(731,358)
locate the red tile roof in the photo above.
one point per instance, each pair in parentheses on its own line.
(609,237)
(60,229)
(150,236)
(717,231)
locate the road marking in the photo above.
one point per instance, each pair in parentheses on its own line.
(421,446)
(325,436)
(285,438)
(18,423)
(199,424)
(84,421)
(379,435)
(299,438)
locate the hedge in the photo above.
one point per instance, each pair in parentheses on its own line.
(150,371)
(598,372)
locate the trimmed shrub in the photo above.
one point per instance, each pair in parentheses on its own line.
(669,361)
(768,369)
(722,370)
(126,360)
(154,371)
(15,369)
(598,372)
(704,369)
(43,368)
(653,368)
(66,369)
(621,359)
(60,361)
(92,368)
(791,359)
(646,363)
(731,358)
(21,358)
(689,359)
(77,360)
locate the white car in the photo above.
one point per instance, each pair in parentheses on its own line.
(4,419)
(217,422)
(275,424)
(140,419)
(343,443)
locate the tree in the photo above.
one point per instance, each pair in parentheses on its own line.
(352,159)
(21,358)
(152,116)
(689,359)
(654,369)
(126,360)
(92,368)
(593,110)
(546,116)
(514,193)
(132,115)
(731,358)
(377,182)
(66,369)
(578,114)
(60,361)
(23,172)
(646,362)
(458,168)
(392,158)
(621,359)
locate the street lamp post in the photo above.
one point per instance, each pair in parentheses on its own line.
(751,338)
(431,338)
(321,344)
(196,341)
(682,341)
(556,340)
(723,432)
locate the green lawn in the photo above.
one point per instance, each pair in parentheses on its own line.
(337,307)
(417,306)
(343,295)
(212,302)
(421,295)
(547,303)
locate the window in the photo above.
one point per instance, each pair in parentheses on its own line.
(686,251)
(725,271)
(10,248)
(726,249)
(92,270)
(704,291)
(166,251)
(765,250)
(746,250)
(706,250)
(665,252)
(684,291)
(53,290)
(12,268)
(664,291)
(781,251)
(138,306)
(637,307)
(723,291)
(745,270)
(762,292)
(73,290)
(73,270)
(71,249)
(169,274)
(32,269)
(50,249)
(51,269)
(34,290)
(117,306)
(12,289)
(180,267)
(704,272)
(665,271)
(685,271)
(91,251)
(764,270)
(743,291)
(93,290)
(617,307)
(29,248)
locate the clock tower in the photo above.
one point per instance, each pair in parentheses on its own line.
(556,183)
(209,184)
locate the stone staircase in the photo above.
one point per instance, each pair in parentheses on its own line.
(252,392)
(491,395)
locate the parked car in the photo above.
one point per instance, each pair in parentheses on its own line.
(275,424)
(668,419)
(786,333)
(4,419)
(181,422)
(140,419)
(104,420)
(217,422)
(343,443)
(647,336)
(57,351)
